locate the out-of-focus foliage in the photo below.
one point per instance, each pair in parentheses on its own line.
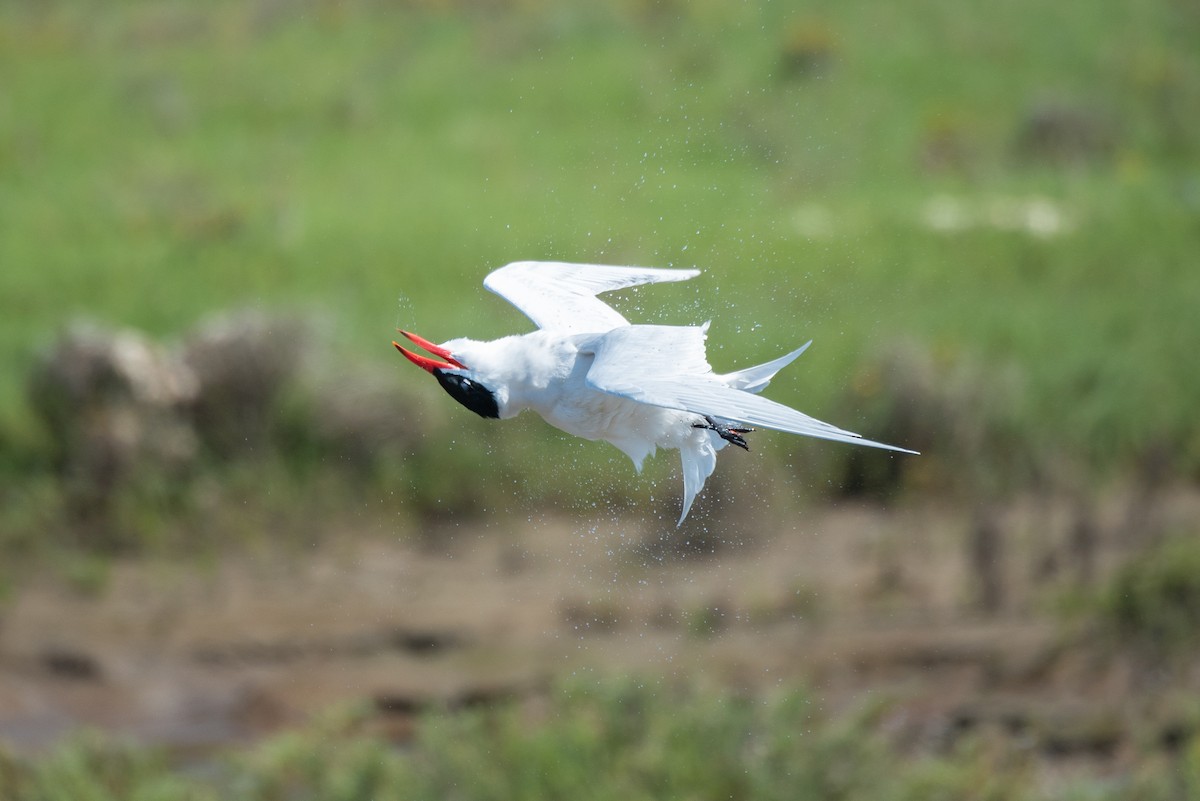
(603,741)
(1152,604)
(984,214)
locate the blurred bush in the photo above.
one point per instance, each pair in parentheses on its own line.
(115,406)
(1152,603)
(961,413)
(809,48)
(243,365)
(1065,131)
(134,424)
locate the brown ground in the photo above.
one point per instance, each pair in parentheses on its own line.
(855,600)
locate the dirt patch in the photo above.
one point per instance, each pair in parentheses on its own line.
(852,600)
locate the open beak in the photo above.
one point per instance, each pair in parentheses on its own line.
(424,362)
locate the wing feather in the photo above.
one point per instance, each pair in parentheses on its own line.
(560,296)
(667,366)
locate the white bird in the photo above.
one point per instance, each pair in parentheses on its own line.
(591,373)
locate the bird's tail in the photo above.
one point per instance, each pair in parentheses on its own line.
(755,379)
(698,457)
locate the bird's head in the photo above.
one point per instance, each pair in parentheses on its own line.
(454,373)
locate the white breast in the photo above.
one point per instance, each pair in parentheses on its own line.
(637,429)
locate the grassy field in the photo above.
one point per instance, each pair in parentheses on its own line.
(1004,185)
(986,215)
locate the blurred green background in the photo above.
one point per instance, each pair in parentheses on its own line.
(1014,183)
(986,215)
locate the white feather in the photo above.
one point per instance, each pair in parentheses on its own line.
(755,379)
(667,366)
(558,296)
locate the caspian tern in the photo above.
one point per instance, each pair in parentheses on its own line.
(589,372)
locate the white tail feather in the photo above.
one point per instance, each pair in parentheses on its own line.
(755,379)
(698,458)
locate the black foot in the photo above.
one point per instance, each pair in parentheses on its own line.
(726,432)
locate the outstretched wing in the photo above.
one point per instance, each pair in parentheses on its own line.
(667,366)
(562,297)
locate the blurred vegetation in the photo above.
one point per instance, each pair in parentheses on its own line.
(987,215)
(596,741)
(1152,604)
(1013,190)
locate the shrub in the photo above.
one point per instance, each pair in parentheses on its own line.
(1153,602)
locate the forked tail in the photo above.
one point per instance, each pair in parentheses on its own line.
(698,458)
(755,379)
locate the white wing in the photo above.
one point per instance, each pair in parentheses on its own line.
(562,297)
(667,366)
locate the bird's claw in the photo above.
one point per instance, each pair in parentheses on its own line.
(726,432)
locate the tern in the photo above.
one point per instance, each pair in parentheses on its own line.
(589,372)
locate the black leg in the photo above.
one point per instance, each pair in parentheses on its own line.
(726,432)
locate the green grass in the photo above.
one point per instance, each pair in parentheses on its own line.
(369,163)
(603,740)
